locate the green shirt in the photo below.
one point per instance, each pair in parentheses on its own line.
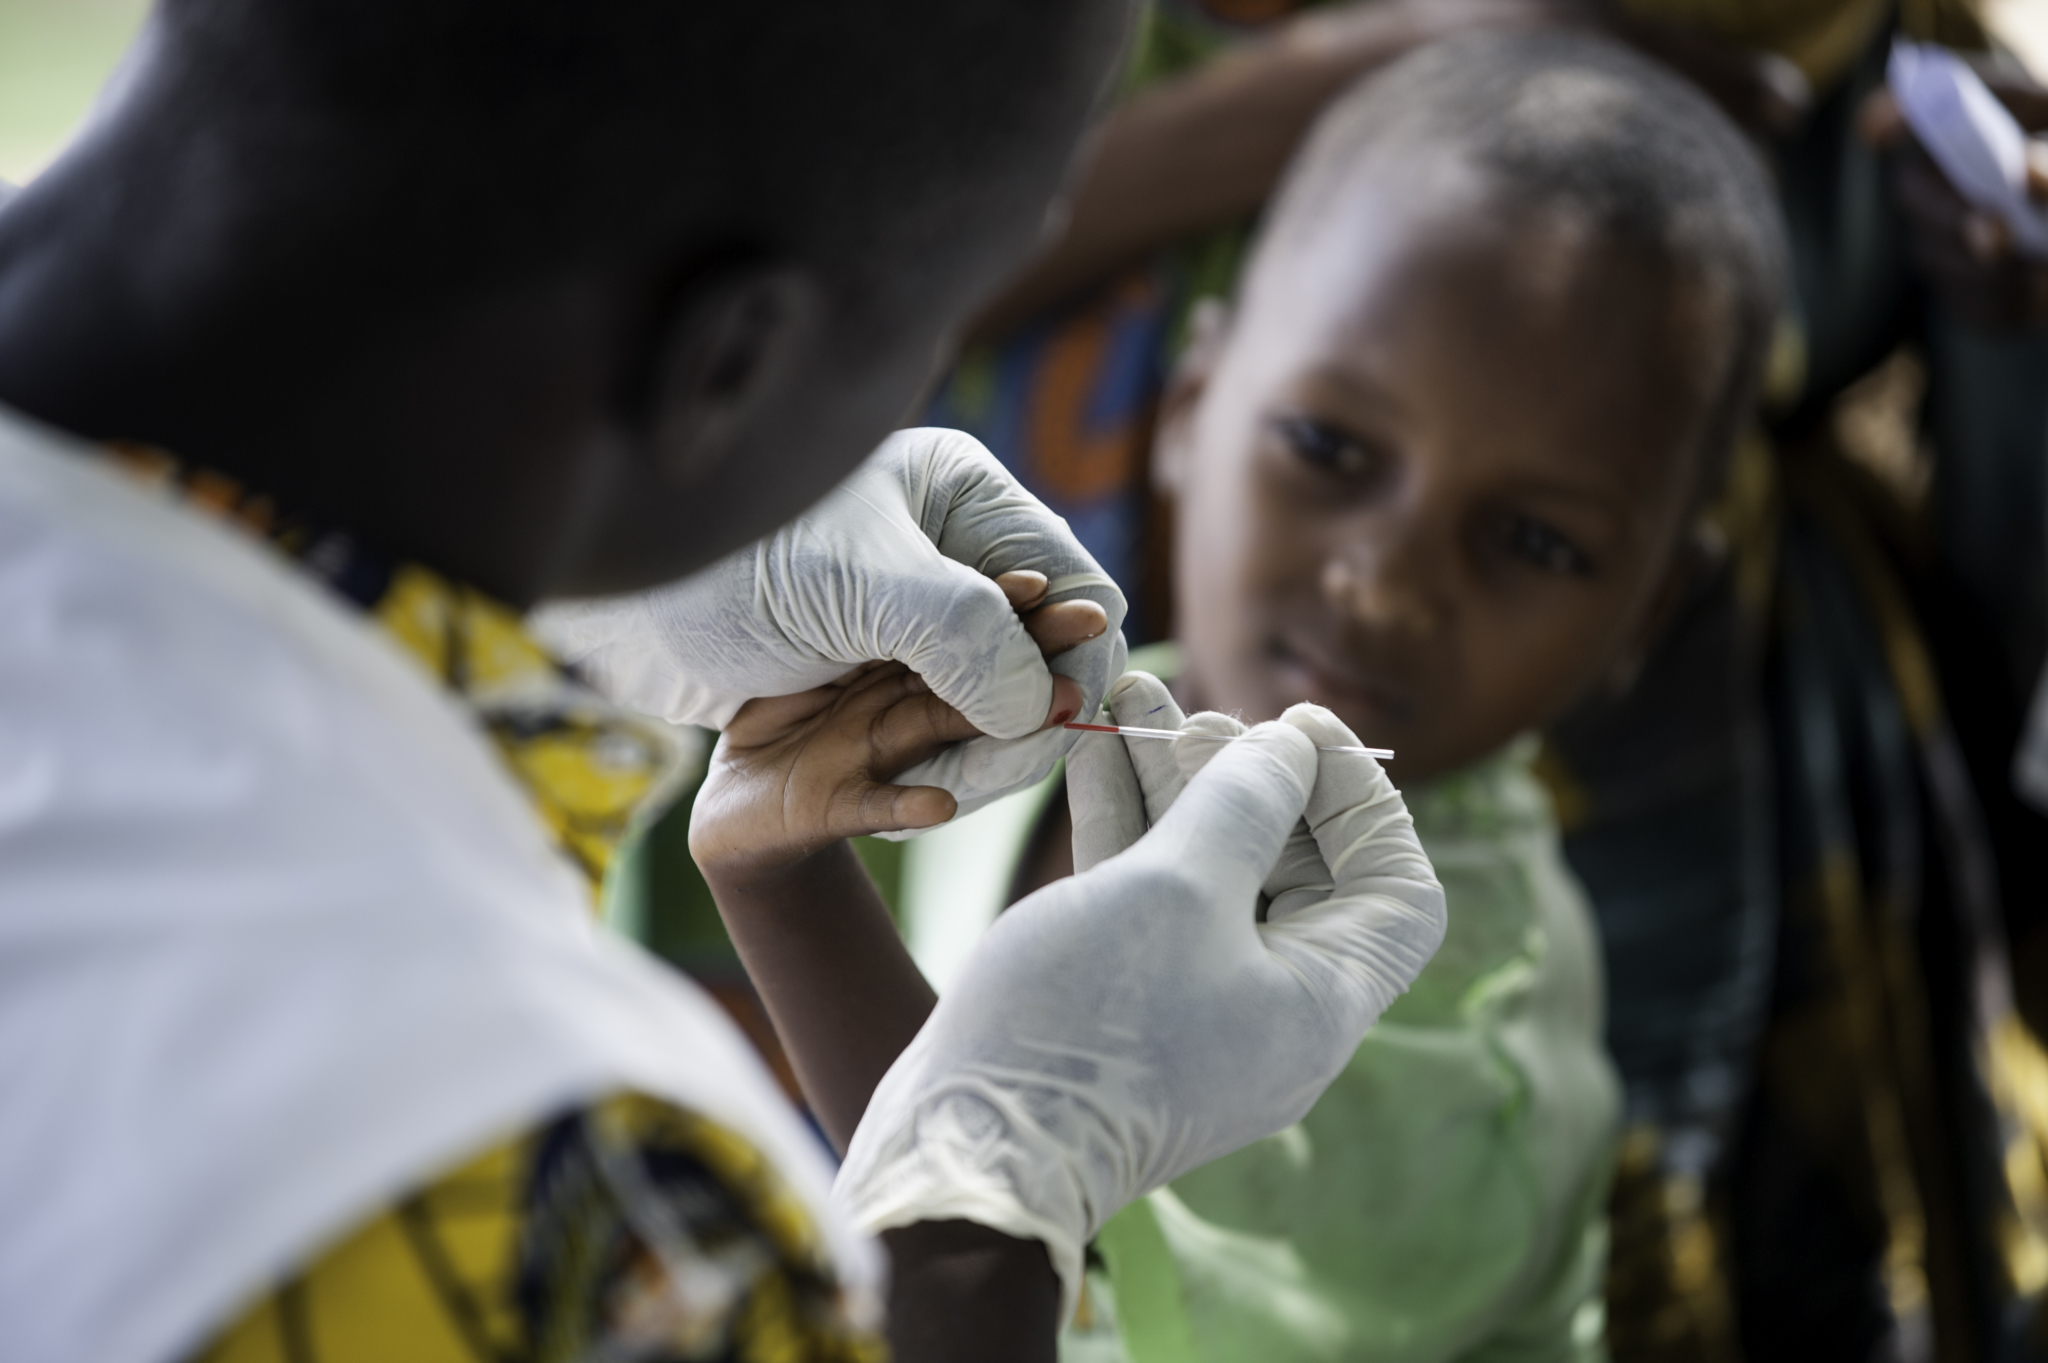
(1446,1197)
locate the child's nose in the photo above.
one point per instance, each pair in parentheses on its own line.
(1386,591)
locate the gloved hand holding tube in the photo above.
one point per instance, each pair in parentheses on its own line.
(1122,1027)
(1112,1031)
(897,563)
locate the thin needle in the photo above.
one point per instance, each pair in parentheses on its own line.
(1383,754)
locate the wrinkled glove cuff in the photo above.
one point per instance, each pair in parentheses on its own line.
(972,1155)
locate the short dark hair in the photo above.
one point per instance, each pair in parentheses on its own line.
(476,133)
(1566,121)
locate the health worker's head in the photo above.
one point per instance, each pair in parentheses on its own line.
(559,295)
(1489,359)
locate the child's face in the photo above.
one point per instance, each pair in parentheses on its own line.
(1434,474)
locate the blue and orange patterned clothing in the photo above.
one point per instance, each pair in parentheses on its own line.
(1067,405)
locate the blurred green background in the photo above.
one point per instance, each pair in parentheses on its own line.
(54,54)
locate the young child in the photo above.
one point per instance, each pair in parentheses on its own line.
(1438,472)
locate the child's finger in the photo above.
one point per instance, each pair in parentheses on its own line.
(1067,700)
(868,673)
(868,807)
(917,726)
(1064,625)
(1025,587)
(766,718)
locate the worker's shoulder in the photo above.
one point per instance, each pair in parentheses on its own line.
(173,692)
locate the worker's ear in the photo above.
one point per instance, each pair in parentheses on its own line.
(720,357)
(1208,324)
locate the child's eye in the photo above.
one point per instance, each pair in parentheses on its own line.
(1325,447)
(1536,543)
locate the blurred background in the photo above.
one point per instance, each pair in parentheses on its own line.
(53,56)
(55,53)
(1702,1200)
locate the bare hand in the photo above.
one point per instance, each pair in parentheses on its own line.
(1965,254)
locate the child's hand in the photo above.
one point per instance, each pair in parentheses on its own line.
(793,774)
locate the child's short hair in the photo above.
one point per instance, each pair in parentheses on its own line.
(1566,122)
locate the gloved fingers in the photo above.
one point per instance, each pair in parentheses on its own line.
(1300,878)
(1140,700)
(983,770)
(1225,831)
(1210,731)
(1359,819)
(1303,878)
(1360,946)
(1301,862)
(1105,799)
(957,629)
(1357,950)
(977,513)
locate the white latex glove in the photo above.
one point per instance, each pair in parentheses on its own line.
(897,563)
(1119,1028)
(1132,782)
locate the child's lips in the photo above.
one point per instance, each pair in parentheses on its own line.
(1314,677)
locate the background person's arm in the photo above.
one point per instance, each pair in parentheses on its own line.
(1966,255)
(1205,149)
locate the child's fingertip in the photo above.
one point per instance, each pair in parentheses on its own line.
(923,807)
(1066,701)
(1024,587)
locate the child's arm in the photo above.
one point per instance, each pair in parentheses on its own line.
(791,780)
(793,777)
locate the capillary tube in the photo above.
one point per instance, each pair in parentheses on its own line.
(1383,754)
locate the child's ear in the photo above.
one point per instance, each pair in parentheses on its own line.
(1698,555)
(1208,323)
(718,358)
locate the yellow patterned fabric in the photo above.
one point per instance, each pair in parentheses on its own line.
(628,1229)
(623,1229)
(589,768)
